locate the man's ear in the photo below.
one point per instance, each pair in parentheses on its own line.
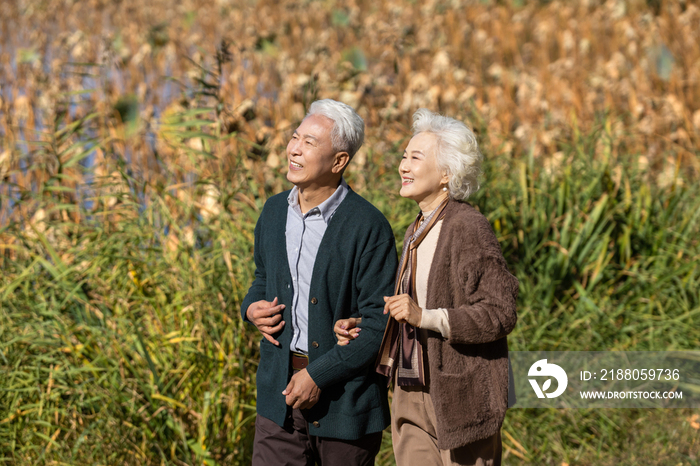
(340,161)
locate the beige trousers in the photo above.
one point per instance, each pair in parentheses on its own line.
(414,435)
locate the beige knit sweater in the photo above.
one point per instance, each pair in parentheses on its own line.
(431,319)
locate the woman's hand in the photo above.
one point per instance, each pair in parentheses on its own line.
(404,309)
(346,330)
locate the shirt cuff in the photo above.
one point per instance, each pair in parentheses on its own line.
(437,321)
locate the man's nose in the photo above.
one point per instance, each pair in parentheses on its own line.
(294,147)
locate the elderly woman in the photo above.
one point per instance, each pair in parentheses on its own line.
(445,345)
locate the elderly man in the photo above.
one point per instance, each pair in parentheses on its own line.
(322,253)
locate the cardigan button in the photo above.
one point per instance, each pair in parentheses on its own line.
(314,301)
(316,424)
(314,344)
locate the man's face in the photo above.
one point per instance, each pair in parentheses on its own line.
(310,153)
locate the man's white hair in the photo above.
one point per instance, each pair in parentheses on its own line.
(348,132)
(457,151)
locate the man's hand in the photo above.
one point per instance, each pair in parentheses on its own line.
(301,392)
(347,330)
(404,309)
(267,316)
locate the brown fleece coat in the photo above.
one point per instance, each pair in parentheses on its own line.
(469,371)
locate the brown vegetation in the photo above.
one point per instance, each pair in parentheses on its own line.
(530,76)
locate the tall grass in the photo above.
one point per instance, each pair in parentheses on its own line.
(609,260)
(126,219)
(120,340)
(606,260)
(121,343)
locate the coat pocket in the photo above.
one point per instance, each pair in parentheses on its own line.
(462,399)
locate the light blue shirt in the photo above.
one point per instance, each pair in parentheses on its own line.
(304,234)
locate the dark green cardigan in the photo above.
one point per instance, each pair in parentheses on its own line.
(354,269)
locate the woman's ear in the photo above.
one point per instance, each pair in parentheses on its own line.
(445,178)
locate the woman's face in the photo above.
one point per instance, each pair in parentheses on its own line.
(421,179)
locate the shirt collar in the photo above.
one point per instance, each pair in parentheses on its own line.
(328,207)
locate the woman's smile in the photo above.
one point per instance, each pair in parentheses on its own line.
(421,177)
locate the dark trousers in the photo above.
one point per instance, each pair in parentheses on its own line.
(292,445)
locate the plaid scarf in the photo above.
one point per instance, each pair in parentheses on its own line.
(399,338)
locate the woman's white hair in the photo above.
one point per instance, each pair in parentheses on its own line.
(457,151)
(348,132)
